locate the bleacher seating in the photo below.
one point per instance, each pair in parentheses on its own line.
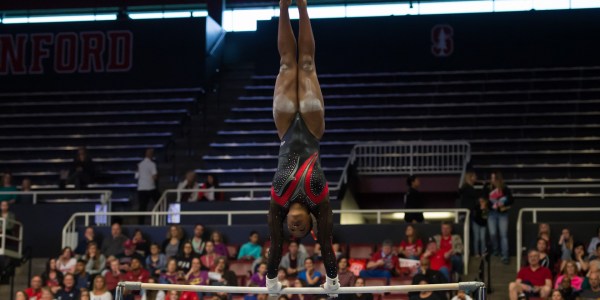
(538,126)
(42,131)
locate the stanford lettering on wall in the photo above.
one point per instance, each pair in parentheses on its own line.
(66,52)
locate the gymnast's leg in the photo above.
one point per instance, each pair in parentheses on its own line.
(309,90)
(285,98)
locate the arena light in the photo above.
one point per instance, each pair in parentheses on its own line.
(199,13)
(428,215)
(512,5)
(59,18)
(550,5)
(177,14)
(455,7)
(382,10)
(145,16)
(578,4)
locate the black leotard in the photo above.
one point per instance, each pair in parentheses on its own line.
(300,179)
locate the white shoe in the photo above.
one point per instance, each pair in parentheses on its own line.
(274,286)
(331,285)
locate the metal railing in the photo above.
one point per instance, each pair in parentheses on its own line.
(413,157)
(9,227)
(104,196)
(542,190)
(70,237)
(534,211)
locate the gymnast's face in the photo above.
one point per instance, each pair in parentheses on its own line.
(298,221)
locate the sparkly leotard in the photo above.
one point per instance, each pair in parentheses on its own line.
(300,179)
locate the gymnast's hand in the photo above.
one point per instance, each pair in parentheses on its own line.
(331,285)
(273,286)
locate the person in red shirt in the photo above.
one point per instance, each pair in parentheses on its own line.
(137,273)
(113,276)
(533,280)
(451,244)
(34,292)
(412,246)
(438,259)
(383,264)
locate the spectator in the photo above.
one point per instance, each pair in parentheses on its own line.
(260,277)
(461,295)
(471,199)
(137,271)
(89,236)
(189,183)
(152,294)
(565,247)
(542,248)
(96,262)
(383,264)
(211,183)
(35,288)
(68,291)
(171,274)
(21,295)
(113,244)
(424,272)
(174,295)
(264,258)
(99,291)
(360,282)
(293,260)
(209,258)
(66,262)
(594,242)
(345,276)
(570,272)
(84,294)
(142,246)
(147,175)
(46,294)
(82,278)
(184,260)
(196,276)
(8,215)
(438,259)
(227,277)
(596,254)
(428,295)
(250,250)
(566,290)
(220,247)
(173,244)
(452,244)
(7,186)
(156,261)
(500,199)
(532,280)
(126,257)
(298,283)
(411,247)
(580,257)
(309,275)
(556,295)
(594,268)
(25,187)
(593,292)
(198,240)
(113,276)
(52,277)
(82,170)
(334,246)
(282,277)
(413,200)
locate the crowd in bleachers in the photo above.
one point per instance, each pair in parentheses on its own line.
(559,268)
(93,269)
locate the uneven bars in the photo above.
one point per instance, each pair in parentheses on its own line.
(464,286)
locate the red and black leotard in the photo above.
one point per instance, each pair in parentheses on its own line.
(300,179)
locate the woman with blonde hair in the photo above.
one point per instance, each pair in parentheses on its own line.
(570,273)
(99,291)
(500,200)
(96,262)
(173,244)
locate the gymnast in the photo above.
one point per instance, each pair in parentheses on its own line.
(299,189)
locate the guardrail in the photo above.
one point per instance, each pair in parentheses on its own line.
(534,211)
(70,237)
(104,195)
(9,227)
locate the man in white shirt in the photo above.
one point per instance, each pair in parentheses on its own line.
(146,176)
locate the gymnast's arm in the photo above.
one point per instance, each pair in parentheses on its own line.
(324,217)
(276,217)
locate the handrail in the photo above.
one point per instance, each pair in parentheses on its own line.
(69,233)
(105,195)
(4,236)
(534,211)
(544,187)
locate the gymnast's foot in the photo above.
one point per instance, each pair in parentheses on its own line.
(285,3)
(302,3)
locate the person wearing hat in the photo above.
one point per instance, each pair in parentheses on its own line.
(128,255)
